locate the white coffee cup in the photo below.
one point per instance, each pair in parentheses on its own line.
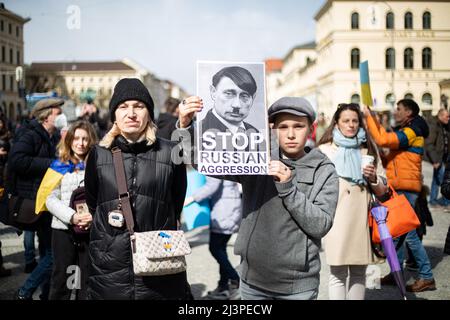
(366,160)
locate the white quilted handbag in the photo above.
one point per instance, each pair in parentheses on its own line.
(159,252)
(155,253)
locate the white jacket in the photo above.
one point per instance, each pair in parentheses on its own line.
(58,201)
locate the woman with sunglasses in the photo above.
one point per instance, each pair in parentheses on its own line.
(348,246)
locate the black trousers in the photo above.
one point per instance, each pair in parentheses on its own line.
(70,265)
(218,248)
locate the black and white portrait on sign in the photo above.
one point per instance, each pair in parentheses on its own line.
(232,128)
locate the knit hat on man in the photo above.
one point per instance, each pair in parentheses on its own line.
(130,89)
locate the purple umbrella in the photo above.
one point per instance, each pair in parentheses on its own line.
(379,212)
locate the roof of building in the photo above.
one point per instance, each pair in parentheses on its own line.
(308,45)
(273,65)
(327,4)
(80,66)
(12,15)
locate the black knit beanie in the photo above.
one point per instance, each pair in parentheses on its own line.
(130,89)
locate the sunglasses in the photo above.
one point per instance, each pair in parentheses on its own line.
(349,106)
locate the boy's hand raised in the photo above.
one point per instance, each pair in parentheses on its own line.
(279,171)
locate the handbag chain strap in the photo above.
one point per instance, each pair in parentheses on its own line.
(124,195)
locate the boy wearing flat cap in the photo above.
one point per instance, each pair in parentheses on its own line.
(285,213)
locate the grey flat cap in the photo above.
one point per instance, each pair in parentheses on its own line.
(293,105)
(47,104)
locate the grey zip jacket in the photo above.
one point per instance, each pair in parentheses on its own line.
(283,223)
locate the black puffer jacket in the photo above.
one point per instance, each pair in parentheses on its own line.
(157,189)
(31,154)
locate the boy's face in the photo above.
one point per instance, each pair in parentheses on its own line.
(292,133)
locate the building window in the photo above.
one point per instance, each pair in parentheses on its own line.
(355,98)
(426,20)
(355,59)
(11,83)
(390,100)
(3,54)
(17,31)
(4,82)
(408,20)
(18,57)
(11,54)
(408,61)
(426,58)
(409,96)
(2,25)
(355,20)
(427,99)
(10,28)
(390,58)
(390,20)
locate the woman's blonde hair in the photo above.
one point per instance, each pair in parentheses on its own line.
(150,134)
(65,145)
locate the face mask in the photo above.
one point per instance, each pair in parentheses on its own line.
(61,121)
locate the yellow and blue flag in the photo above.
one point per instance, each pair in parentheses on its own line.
(51,180)
(365,83)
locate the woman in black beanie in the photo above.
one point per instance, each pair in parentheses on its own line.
(156,187)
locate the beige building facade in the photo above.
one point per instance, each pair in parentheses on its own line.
(11,57)
(80,80)
(406,43)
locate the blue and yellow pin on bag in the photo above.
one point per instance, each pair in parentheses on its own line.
(51,180)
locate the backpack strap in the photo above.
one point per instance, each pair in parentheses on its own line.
(124,195)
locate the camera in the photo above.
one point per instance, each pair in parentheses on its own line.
(115,218)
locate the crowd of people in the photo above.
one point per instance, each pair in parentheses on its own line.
(314,193)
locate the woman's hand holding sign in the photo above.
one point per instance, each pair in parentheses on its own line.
(187,109)
(279,171)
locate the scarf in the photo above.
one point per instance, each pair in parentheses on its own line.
(348,158)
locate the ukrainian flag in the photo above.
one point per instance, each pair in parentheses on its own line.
(365,83)
(51,180)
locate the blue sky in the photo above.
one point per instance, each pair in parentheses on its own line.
(166,36)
